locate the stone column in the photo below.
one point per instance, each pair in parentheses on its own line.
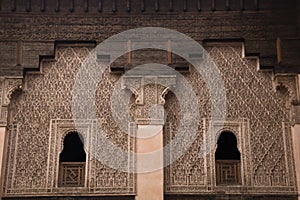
(149,117)
(296,136)
(296,133)
(296,145)
(7,86)
(150,185)
(291,83)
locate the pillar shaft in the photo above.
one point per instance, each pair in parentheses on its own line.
(296,145)
(150,184)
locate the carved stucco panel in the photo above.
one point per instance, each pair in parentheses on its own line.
(240,128)
(47,96)
(250,95)
(149,93)
(8,85)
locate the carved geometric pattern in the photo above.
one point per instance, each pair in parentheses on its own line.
(72,174)
(212,131)
(149,91)
(188,173)
(38,120)
(250,94)
(10,85)
(256,113)
(7,87)
(263,128)
(59,128)
(228,172)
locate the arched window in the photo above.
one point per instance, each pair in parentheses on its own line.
(72,161)
(227,157)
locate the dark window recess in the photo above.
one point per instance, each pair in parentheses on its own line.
(228,165)
(72,162)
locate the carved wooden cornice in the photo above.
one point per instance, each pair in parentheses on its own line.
(128,6)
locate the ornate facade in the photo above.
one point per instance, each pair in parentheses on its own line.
(255,46)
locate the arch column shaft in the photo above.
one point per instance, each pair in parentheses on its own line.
(8,85)
(296,146)
(149,114)
(150,185)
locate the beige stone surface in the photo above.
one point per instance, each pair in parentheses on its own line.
(296,144)
(2,139)
(150,184)
(2,142)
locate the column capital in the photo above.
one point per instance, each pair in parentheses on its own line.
(150,92)
(8,86)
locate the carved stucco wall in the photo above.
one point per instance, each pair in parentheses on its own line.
(257,114)
(41,116)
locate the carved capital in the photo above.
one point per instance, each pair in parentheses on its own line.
(149,94)
(136,84)
(288,82)
(7,87)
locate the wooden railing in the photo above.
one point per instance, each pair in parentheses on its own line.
(71,174)
(228,172)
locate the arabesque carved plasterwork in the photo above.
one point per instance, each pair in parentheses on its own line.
(252,104)
(99,178)
(149,94)
(265,142)
(41,115)
(8,85)
(240,128)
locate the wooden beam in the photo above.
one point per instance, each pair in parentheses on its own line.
(142,5)
(199,5)
(242,4)
(13,5)
(171,5)
(114,6)
(20,53)
(256,4)
(42,5)
(71,9)
(169,52)
(213,5)
(129,54)
(227,5)
(86,5)
(128,6)
(184,5)
(278,49)
(99,5)
(156,6)
(28,5)
(57,5)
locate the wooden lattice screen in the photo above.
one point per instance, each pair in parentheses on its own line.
(228,172)
(72,174)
